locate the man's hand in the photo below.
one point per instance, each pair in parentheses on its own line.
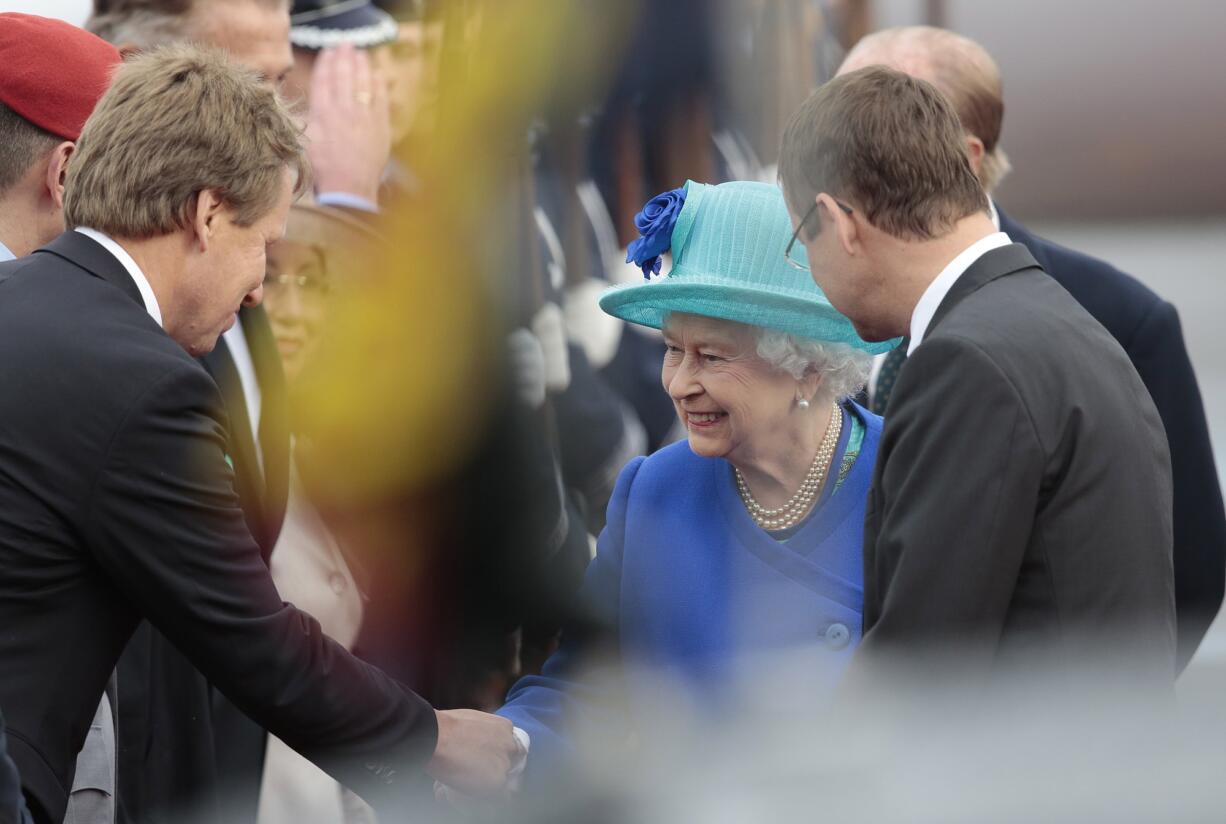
(349,131)
(475,752)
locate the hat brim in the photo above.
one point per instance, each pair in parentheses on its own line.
(363,27)
(648,304)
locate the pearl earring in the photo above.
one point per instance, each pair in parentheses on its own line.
(802,403)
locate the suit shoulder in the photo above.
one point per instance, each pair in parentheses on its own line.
(102,342)
(9,268)
(1114,298)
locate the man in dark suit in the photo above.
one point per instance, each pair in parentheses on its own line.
(1145,325)
(1021,503)
(116,496)
(180,741)
(12,805)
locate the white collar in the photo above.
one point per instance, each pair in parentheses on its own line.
(121,254)
(926,309)
(5,254)
(995,215)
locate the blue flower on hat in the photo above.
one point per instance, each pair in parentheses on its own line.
(655,224)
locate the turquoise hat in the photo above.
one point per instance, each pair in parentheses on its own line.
(727,245)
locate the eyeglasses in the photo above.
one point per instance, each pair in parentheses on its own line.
(309,284)
(787,253)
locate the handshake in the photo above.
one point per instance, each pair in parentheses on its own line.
(477,754)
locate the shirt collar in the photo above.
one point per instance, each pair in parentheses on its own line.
(926,309)
(995,215)
(5,254)
(121,254)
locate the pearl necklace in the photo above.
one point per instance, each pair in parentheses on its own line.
(794,510)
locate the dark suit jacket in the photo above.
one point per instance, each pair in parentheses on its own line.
(12,808)
(1021,501)
(1147,327)
(117,504)
(182,745)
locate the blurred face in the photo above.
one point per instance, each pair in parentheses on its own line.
(228,273)
(255,35)
(296,89)
(295,296)
(733,404)
(410,66)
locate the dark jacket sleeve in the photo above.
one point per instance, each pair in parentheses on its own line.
(961,474)
(165,525)
(12,806)
(1158,352)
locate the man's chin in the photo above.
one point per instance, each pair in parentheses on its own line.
(200,348)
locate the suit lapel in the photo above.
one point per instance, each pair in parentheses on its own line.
(991,265)
(89,255)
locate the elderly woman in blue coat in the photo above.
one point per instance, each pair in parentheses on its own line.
(744,539)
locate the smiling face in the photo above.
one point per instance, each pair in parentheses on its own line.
(228,271)
(295,296)
(733,403)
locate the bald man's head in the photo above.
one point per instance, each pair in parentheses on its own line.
(961,69)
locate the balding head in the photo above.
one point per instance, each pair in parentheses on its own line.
(255,33)
(962,70)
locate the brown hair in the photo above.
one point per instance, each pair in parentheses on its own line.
(176,121)
(888,143)
(961,69)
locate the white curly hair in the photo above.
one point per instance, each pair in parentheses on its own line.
(844,369)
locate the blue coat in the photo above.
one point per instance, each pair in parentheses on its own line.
(690,586)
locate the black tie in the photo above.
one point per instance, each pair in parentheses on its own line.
(886,378)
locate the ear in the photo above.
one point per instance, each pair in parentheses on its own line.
(830,214)
(57,169)
(975,153)
(808,386)
(207,217)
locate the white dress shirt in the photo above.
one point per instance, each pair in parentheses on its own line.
(240,353)
(939,288)
(121,254)
(5,254)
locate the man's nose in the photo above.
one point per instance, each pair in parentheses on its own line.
(255,297)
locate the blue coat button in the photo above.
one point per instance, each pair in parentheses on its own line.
(837,636)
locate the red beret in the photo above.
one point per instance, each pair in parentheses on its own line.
(51,72)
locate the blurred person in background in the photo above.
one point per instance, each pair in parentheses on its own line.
(340,81)
(253,32)
(745,538)
(310,568)
(182,176)
(1020,513)
(411,65)
(1145,325)
(51,76)
(180,741)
